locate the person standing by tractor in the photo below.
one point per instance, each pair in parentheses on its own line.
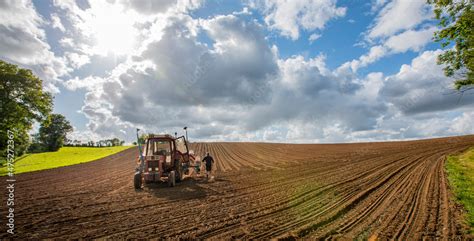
(209,162)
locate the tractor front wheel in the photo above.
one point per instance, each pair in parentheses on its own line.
(137,180)
(172,179)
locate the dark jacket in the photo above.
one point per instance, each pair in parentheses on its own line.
(209,161)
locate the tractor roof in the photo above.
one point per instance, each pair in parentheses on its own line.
(162,136)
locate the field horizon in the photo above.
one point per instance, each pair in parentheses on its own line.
(337,143)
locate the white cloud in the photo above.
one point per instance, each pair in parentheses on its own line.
(56,22)
(244,11)
(85,136)
(24,17)
(88,83)
(410,40)
(371,86)
(377,4)
(77,60)
(313,37)
(399,15)
(421,87)
(150,6)
(463,124)
(66,42)
(289,16)
(375,53)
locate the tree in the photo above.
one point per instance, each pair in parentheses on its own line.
(22,101)
(115,141)
(53,132)
(36,145)
(142,138)
(76,142)
(457,22)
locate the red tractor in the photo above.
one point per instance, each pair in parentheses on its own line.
(163,158)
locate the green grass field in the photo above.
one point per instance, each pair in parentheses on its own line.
(64,157)
(461,177)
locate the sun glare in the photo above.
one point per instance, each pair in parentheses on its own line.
(113,31)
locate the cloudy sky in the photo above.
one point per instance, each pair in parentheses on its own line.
(282,70)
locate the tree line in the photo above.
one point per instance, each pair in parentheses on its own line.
(100,143)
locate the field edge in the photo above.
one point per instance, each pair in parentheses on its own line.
(460,173)
(48,165)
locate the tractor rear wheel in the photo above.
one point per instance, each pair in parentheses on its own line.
(137,180)
(172,179)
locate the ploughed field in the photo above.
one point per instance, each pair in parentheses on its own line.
(261,191)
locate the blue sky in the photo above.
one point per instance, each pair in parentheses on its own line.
(283,71)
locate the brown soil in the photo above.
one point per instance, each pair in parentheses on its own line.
(385,190)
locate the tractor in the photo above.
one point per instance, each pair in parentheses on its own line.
(163,158)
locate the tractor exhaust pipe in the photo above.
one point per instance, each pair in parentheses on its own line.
(186,131)
(142,159)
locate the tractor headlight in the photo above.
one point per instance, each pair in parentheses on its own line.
(149,169)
